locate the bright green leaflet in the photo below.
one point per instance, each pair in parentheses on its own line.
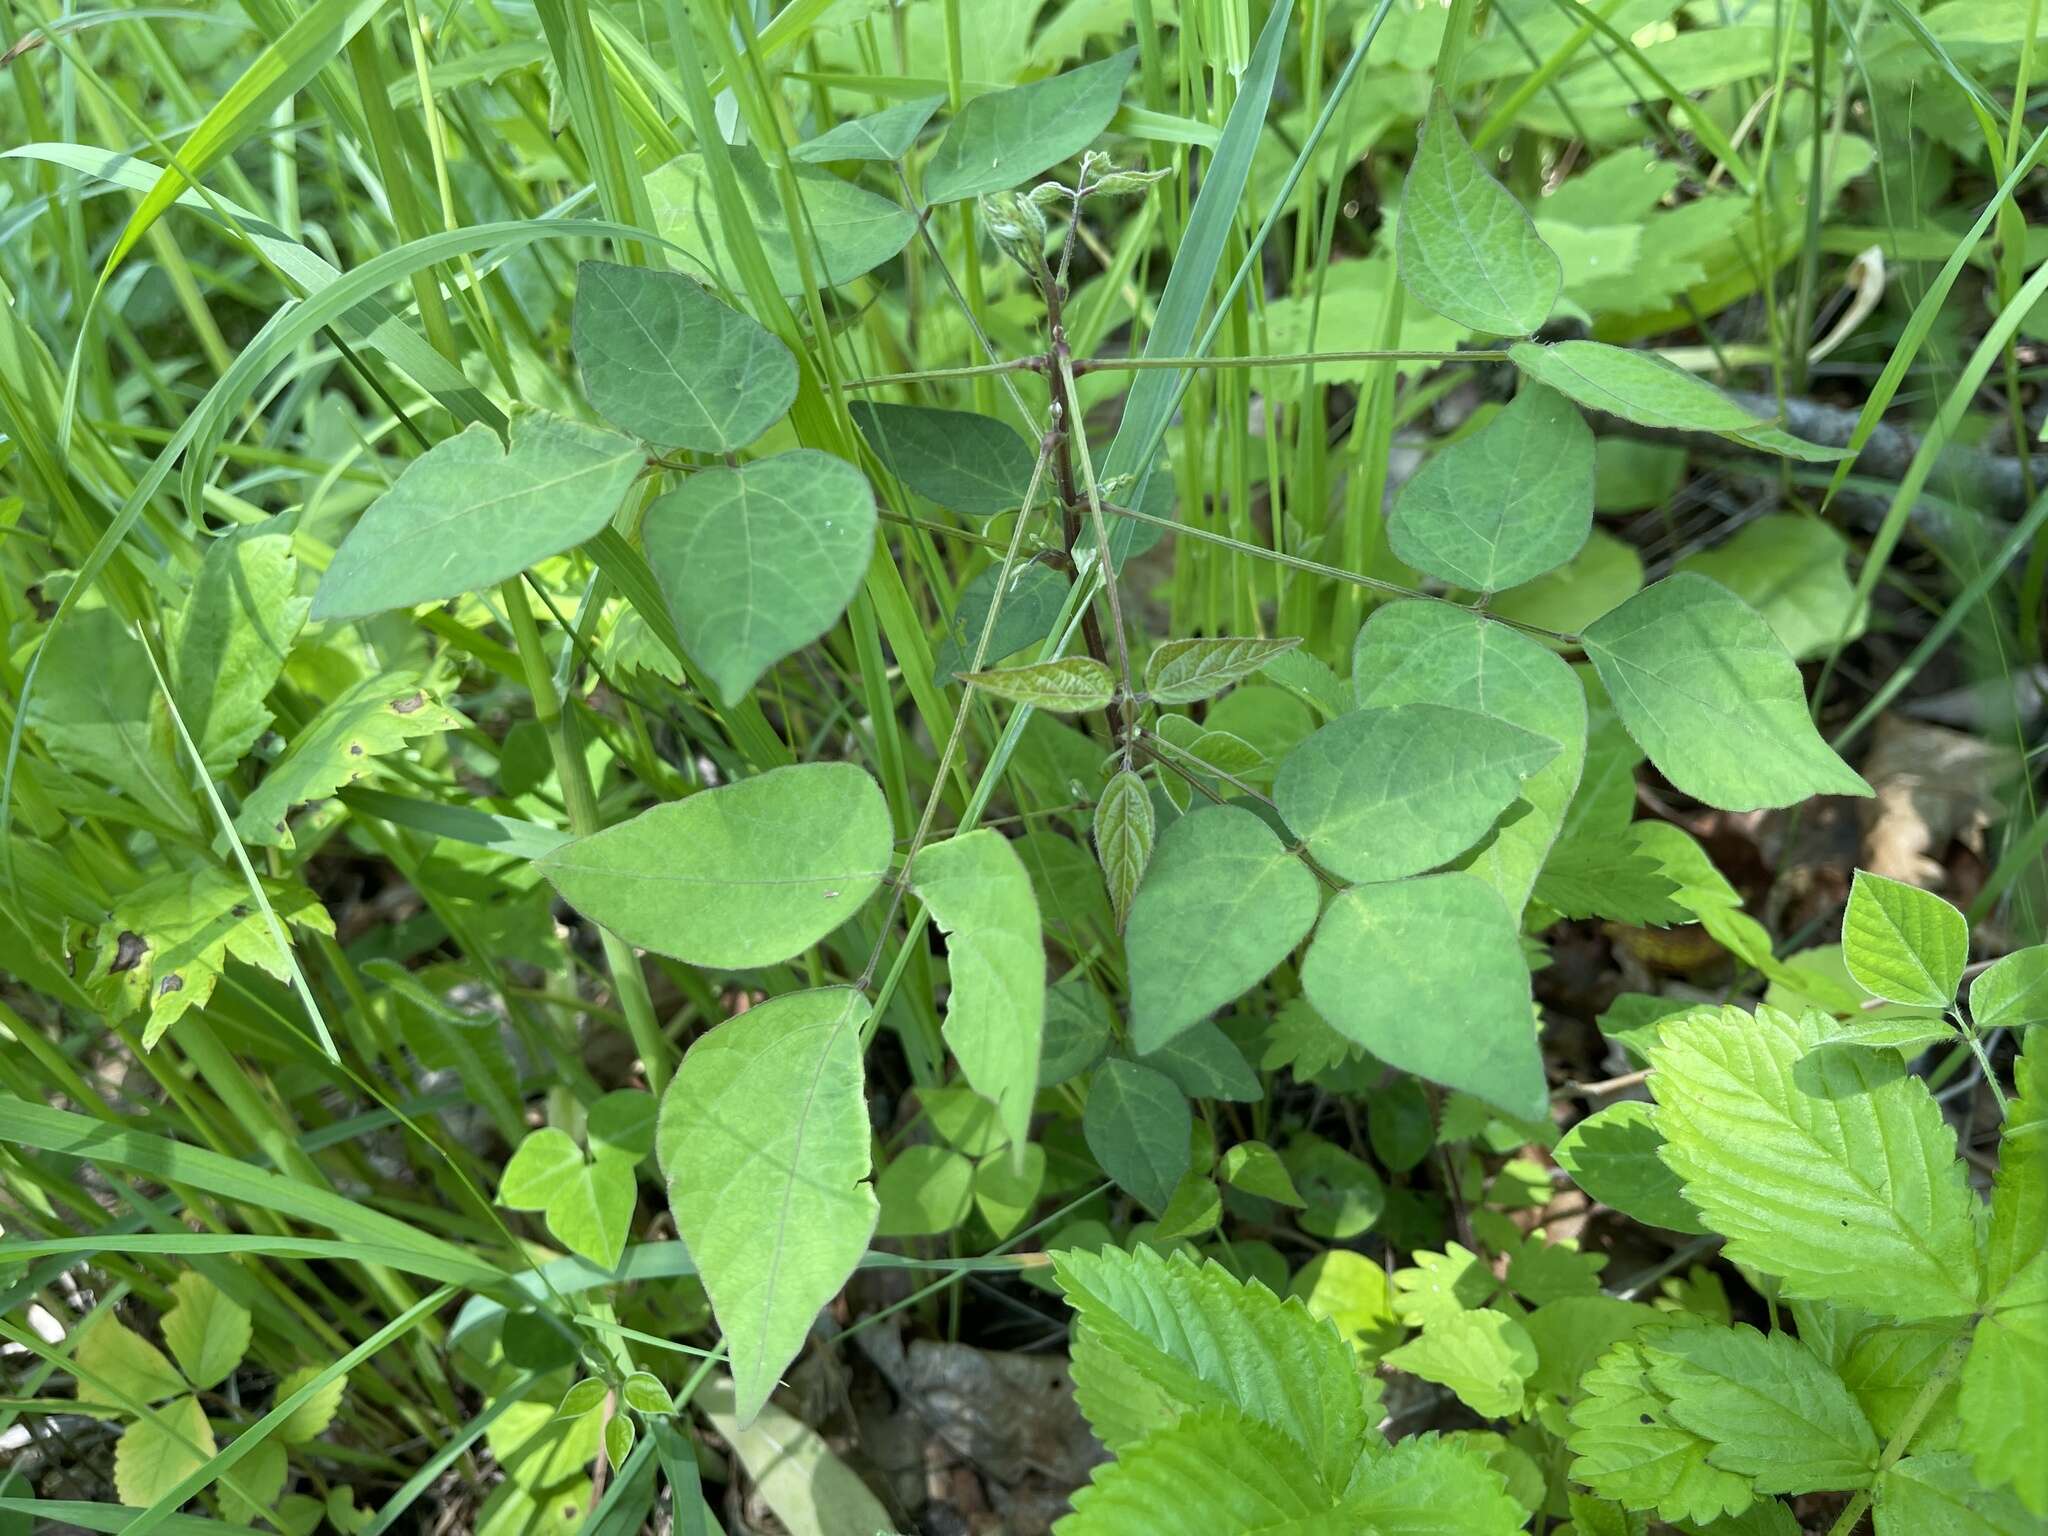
(742,875)
(1381,793)
(1484,1356)
(227,643)
(1794,571)
(1465,246)
(1186,671)
(1426,1485)
(884,135)
(1377,972)
(1072,685)
(1003,139)
(1220,873)
(156,1454)
(1505,504)
(924,1190)
(1032,601)
(1005,1194)
(1706,689)
(664,360)
(2012,991)
(1903,944)
(1612,1156)
(96,712)
(592,1213)
(759,561)
(1341,1194)
(206,1332)
(1255,1168)
(621,1124)
(1124,834)
(1628,1447)
(1136,1123)
(1211,1472)
(1936,1494)
(964,461)
(980,896)
(1835,1173)
(764,1143)
(540,1168)
(470,513)
(127,1362)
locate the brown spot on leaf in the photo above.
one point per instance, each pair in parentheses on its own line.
(129,949)
(171,983)
(355,749)
(241,909)
(411,704)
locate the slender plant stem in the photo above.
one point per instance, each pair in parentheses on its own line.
(1930,1393)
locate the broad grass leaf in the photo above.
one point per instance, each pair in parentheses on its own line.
(1005,138)
(980,896)
(1903,944)
(206,1330)
(2012,991)
(1612,1156)
(1208,1474)
(759,561)
(962,460)
(1466,248)
(1505,504)
(884,135)
(471,512)
(923,1191)
(1381,793)
(1483,1356)
(1376,972)
(1124,834)
(226,645)
(1833,1171)
(746,874)
(1187,671)
(1031,605)
(1794,571)
(664,360)
(1219,876)
(1072,685)
(1137,1123)
(157,1453)
(764,1143)
(1706,689)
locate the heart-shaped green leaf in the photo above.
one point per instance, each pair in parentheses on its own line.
(964,461)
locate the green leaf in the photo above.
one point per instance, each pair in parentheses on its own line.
(1702,683)
(1124,824)
(1255,1168)
(963,461)
(1571,1335)
(1196,1207)
(1792,570)
(1504,504)
(1438,1284)
(127,1362)
(95,708)
(884,135)
(2018,1236)
(1031,606)
(980,895)
(1612,1156)
(585,1397)
(1352,1291)
(226,645)
(206,1331)
(591,1213)
(621,1124)
(470,513)
(310,1419)
(1005,138)
(2012,991)
(1185,671)
(1215,1473)
(759,561)
(618,1440)
(1073,685)
(1206,1064)
(1602,1517)
(1077,1031)
(262,1472)
(1626,1446)
(1381,793)
(1598,876)
(664,360)
(379,715)
(542,1165)
(742,875)
(1483,1356)
(764,1142)
(1903,944)
(1833,1171)
(1006,1194)
(924,1190)
(1936,1496)
(1137,1125)
(1597,580)
(1466,248)
(1774,1413)
(1376,971)
(1341,1194)
(158,1453)
(1221,873)
(644,1393)
(1427,1485)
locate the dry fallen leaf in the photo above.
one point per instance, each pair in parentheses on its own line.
(1933,786)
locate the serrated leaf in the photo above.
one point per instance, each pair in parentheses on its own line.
(1005,138)
(884,135)
(1833,1171)
(764,1142)
(1376,973)
(158,1453)
(2011,991)
(206,1330)
(664,360)
(226,645)
(1936,1496)
(1137,1123)
(1505,504)
(1903,944)
(541,1165)
(95,708)
(1596,876)
(1483,1356)
(591,1211)
(1793,570)
(962,460)
(1888,1365)
(1612,1156)
(1465,246)
(1031,606)
(310,1419)
(1207,1474)
(1124,824)
(471,512)
(127,1362)
(1072,685)
(746,874)
(379,715)
(1627,1447)
(1571,1335)
(1427,1485)
(1186,671)
(759,561)
(262,1471)
(1438,1284)
(1382,793)
(1702,683)
(1222,873)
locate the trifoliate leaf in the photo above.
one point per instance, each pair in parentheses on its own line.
(1903,944)
(122,1363)
(310,1419)
(206,1330)
(1627,1447)
(1483,1356)
(2012,991)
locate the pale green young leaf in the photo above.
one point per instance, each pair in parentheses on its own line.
(1935,1495)
(1005,138)
(664,360)
(1186,671)
(2018,1235)
(1427,1485)
(884,135)
(471,512)
(1255,1168)
(95,708)
(1466,248)
(1909,1035)
(539,1167)
(746,874)
(1649,390)
(1612,1156)
(1222,873)
(1072,685)
(1375,972)
(157,1453)
(262,1472)
(1627,1447)
(1903,944)
(1195,1208)
(127,1362)
(759,561)
(980,895)
(1005,1193)
(586,1396)
(1573,1332)
(1887,1365)
(336,747)
(1483,1356)
(1437,1284)
(1505,504)
(764,1143)
(2011,991)
(644,1393)
(1381,793)
(619,1435)
(1352,1291)
(1032,599)
(1213,1473)
(226,644)
(1137,1124)
(1702,683)
(1792,570)
(310,1419)
(591,1211)
(206,1330)
(1124,830)
(1831,1170)
(963,461)
(621,1124)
